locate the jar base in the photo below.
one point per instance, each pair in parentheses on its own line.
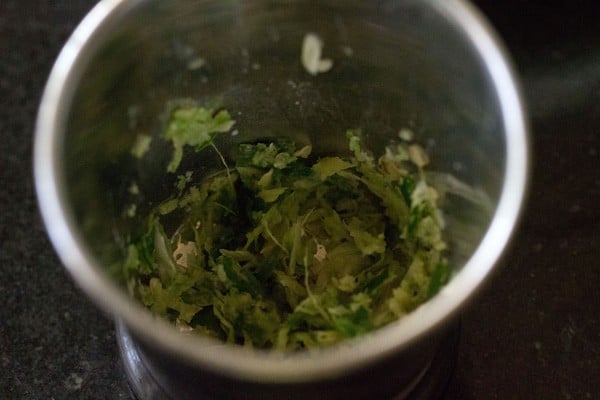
(431,384)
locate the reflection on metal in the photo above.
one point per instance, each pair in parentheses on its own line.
(141,381)
(429,384)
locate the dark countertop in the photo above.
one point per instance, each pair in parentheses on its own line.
(532,333)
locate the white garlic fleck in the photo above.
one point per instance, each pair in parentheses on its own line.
(312,47)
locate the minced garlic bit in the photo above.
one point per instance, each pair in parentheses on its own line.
(321,253)
(182,327)
(312,47)
(131,210)
(346,283)
(418,156)
(183,251)
(196,63)
(406,134)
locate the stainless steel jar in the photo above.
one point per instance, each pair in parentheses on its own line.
(433,66)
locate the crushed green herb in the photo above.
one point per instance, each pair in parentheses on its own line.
(196,127)
(285,250)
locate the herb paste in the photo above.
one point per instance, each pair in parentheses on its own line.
(285,250)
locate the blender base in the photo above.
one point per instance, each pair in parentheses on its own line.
(429,385)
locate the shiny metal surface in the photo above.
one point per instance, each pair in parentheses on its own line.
(434,66)
(144,383)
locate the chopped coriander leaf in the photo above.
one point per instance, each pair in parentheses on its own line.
(285,252)
(406,188)
(328,166)
(439,278)
(196,127)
